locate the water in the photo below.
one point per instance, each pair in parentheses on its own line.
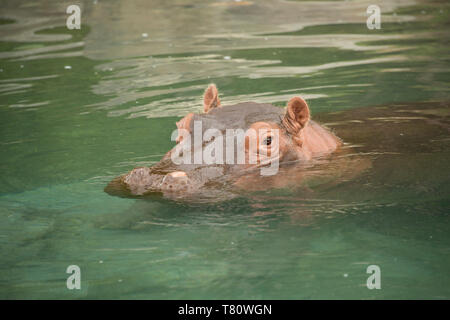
(78,108)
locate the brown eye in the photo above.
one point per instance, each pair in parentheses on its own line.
(268,141)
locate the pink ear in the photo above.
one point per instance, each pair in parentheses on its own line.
(297,115)
(211,98)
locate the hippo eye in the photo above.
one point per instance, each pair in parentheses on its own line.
(268,141)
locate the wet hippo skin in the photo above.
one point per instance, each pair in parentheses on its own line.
(282,136)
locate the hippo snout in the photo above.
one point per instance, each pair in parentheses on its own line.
(144,180)
(175,181)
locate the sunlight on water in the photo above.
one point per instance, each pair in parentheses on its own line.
(80,107)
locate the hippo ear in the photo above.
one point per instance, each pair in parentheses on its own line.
(297,115)
(211,98)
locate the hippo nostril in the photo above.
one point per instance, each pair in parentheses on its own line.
(177,174)
(174,181)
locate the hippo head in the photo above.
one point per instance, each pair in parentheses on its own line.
(225,143)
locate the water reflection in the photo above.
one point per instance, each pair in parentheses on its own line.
(212,26)
(155,72)
(116,31)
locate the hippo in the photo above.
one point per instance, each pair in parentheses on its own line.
(270,134)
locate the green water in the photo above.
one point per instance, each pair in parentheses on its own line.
(80,107)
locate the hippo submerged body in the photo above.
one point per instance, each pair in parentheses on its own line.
(226,144)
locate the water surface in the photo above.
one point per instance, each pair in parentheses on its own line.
(79,107)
